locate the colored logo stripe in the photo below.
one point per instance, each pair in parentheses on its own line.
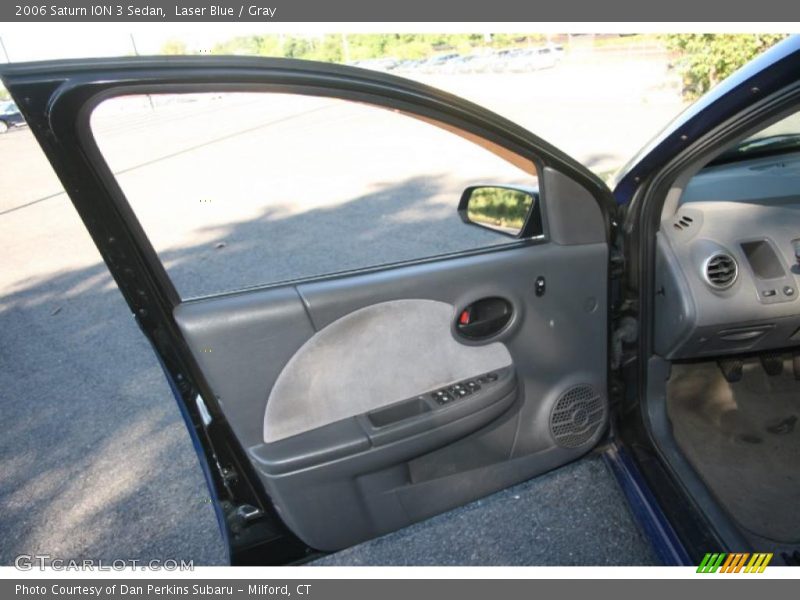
(711,563)
(758,563)
(735,562)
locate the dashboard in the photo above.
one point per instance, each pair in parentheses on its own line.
(727,274)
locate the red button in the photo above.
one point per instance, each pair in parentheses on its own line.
(464,318)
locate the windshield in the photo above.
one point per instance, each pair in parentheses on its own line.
(783,136)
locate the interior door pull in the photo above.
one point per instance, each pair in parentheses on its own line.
(484,318)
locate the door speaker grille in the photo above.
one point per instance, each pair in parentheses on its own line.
(577,415)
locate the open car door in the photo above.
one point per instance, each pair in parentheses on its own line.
(332,407)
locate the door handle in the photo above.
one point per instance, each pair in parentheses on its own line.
(484,318)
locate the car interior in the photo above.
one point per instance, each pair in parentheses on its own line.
(727,326)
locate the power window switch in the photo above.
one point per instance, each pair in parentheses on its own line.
(443,397)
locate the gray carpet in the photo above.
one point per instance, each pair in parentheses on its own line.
(575,515)
(744,441)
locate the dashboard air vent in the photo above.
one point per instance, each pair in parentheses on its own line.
(683,222)
(720,271)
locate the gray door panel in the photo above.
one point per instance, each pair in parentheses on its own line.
(242,342)
(378,461)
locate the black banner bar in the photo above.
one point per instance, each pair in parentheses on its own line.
(473,11)
(728,587)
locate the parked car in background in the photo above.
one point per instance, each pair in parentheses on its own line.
(501,59)
(435,63)
(10,116)
(507,60)
(377,64)
(482,63)
(459,64)
(531,59)
(407,65)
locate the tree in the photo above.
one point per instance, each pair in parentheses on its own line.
(174,46)
(363,46)
(705,59)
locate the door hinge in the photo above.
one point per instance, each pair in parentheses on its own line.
(625,333)
(229,475)
(238,517)
(616,262)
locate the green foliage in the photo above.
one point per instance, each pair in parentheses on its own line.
(505,40)
(258,45)
(175,47)
(297,47)
(705,59)
(362,46)
(4,95)
(499,207)
(328,48)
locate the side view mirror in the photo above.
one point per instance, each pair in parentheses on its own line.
(510,210)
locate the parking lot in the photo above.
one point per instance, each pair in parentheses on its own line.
(96,460)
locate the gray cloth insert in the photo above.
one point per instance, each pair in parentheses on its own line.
(370,358)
